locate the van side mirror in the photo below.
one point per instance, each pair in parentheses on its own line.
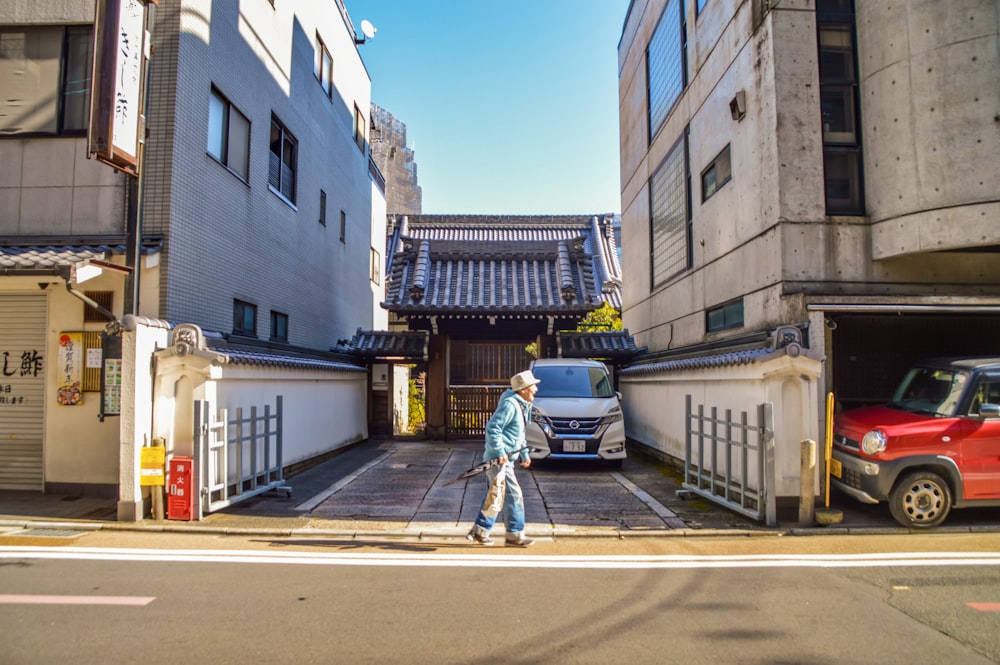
(618,394)
(989,410)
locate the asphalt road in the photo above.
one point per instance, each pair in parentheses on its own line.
(330,603)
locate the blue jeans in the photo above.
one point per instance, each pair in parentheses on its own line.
(502,489)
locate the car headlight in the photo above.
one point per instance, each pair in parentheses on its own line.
(873,443)
(612,418)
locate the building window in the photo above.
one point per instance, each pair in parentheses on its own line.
(718,173)
(725,317)
(669,223)
(666,68)
(244,318)
(359,127)
(324,67)
(343,226)
(279,327)
(45,79)
(105,299)
(228,135)
(283,162)
(838,90)
(322,207)
(376,266)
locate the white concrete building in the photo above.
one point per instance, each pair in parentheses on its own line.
(262,223)
(824,165)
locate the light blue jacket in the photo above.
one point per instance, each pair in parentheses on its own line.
(505,429)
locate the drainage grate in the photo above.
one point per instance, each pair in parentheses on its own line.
(48,533)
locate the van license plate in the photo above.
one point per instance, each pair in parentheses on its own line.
(836,468)
(574,446)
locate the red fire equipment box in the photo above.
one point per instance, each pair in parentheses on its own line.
(180,500)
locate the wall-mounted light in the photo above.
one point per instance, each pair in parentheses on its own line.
(738,105)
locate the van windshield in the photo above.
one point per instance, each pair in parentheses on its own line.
(567,381)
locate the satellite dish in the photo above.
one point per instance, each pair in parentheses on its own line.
(367,29)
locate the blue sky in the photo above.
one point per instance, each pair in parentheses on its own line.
(510,106)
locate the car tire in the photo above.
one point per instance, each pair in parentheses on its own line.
(920,500)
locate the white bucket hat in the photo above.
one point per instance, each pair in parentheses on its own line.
(522,380)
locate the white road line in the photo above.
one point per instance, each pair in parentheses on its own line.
(14,599)
(510,561)
(339,485)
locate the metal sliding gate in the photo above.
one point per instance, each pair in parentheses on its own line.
(237,457)
(731,462)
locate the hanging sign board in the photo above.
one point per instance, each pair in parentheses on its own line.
(117,86)
(70,369)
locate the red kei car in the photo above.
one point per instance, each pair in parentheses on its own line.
(934,447)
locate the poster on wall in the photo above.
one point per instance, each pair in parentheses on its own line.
(70,369)
(112,387)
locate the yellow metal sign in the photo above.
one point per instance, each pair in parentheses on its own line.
(151,460)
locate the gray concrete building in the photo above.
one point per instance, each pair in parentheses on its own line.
(819,166)
(403,196)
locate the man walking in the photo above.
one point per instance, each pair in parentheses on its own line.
(505,434)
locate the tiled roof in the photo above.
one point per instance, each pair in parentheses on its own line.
(728,359)
(385,343)
(21,253)
(614,344)
(244,357)
(499,264)
(257,354)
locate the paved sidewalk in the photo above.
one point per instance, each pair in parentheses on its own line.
(404,489)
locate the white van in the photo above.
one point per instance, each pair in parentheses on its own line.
(577,413)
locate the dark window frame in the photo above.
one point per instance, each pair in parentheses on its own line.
(360,125)
(279,326)
(324,59)
(283,164)
(657,224)
(67,89)
(732,314)
(713,170)
(244,315)
(660,101)
(840,113)
(226,158)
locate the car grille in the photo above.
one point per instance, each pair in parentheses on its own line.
(851,478)
(586,427)
(844,442)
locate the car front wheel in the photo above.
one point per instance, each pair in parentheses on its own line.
(921,499)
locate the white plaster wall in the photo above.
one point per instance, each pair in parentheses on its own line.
(654,407)
(322,411)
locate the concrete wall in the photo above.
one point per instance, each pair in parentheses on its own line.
(929,133)
(931,101)
(49,187)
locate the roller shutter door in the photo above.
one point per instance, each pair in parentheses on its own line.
(22,390)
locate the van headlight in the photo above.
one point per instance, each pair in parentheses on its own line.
(543,423)
(612,418)
(873,443)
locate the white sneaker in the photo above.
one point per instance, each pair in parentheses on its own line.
(517,539)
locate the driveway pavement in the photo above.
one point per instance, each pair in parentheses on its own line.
(400,488)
